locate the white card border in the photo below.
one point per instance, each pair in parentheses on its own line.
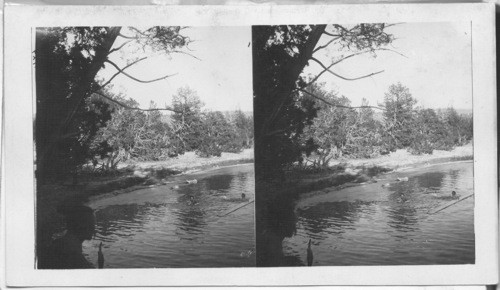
(18,142)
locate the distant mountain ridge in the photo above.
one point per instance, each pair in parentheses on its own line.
(378,115)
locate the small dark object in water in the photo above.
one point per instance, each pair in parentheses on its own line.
(192,201)
(100,257)
(243,196)
(402,197)
(309,254)
(453,193)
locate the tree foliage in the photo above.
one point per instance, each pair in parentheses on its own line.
(280,54)
(65,121)
(330,129)
(398,116)
(188,117)
(67,60)
(340,130)
(152,135)
(281,112)
(244,128)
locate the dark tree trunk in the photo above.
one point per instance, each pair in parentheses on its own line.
(48,141)
(275,215)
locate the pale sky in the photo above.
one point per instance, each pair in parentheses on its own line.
(222,79)
(437,70)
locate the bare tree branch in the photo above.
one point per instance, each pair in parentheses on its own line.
(186,53)
(137,30)
(127,37)
(327,44)
(134,108)
(119,47)
(336,37)
(116,74)
(391,50)
(331,34)
(136,79)
(332,64)
(342,28)
(338,106)
(347,57)
(393,24)
(344,78)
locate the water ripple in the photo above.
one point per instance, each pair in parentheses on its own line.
(167,231)
(394,228)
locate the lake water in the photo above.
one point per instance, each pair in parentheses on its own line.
(392,224)
(160,227)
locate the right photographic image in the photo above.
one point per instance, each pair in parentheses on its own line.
(364,144)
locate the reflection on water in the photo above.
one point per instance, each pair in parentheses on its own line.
(159,227)
(374,225)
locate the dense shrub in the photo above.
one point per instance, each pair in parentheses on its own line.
(155,135)
(339,130)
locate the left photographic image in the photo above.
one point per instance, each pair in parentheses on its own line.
(143,147)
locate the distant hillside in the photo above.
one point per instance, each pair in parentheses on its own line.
(378,115)
(459,111)
(464,111)
(167,117)
(247,113)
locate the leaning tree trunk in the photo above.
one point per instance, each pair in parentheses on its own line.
(275,215)
(47,143)
(269,102)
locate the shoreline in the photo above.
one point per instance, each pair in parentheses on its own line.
(143,175)
(138,175)
(279,200)
(344,173)
(128,181)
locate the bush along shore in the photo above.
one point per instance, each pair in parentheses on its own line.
(132,174)
(351,172)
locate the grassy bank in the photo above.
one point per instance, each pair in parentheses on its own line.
(133,173)
(402,159)
(190,162)
(350,172)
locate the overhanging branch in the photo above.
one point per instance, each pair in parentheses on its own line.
(327,44)
(119,72)
(136,79)
(119,47)
(347,57)
(338,106)
(186,53)
(127,37)
(331,34)
(134,108)
(342,77)
(332,64)
(336,37)
(387,49)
